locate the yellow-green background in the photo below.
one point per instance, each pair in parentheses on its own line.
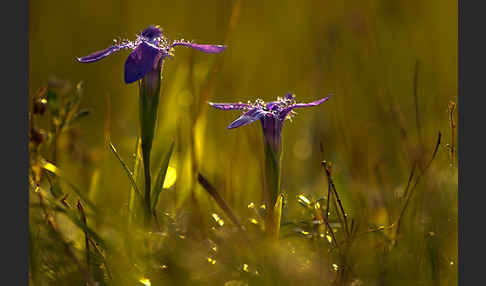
(363,52)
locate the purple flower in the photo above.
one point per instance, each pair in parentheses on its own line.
(149,49)
(271,115)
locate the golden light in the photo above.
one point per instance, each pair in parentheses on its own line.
(170,177)
(304,199)
(218,219)
(145,281)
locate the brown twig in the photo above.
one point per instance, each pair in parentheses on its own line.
(328,199)
(398,223)
(405,192)
(452,109)
(321,145)
(322,217)
(333,188)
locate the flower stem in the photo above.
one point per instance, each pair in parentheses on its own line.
(149,101)
(273,158)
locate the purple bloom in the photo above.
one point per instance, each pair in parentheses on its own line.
(149,48)
(271,115)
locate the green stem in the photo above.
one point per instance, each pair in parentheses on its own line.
(148,178)
(149,101)
(273,159)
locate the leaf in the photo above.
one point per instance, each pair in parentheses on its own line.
(75,219)
(56,190)
(80,114)
(97,269)
(56,171)
(125,167)
(136,172)
(159,182)
(53,103)
(74,98)
(278,214)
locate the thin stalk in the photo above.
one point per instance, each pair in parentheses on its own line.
(147,175)
(131,195)
(327,202)
(417,180)
(86,237)
(149,88)
(337,199)
(452,109)
(341,208)
(272,168)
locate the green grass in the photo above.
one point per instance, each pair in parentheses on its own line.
(369,177)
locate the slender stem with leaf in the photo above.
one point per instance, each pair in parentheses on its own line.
(149,88)
(272,168)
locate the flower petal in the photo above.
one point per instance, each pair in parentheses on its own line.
(248,117)
(212,49)
(140,61)
(96,56)
(283,114)
(151,32)
(314,103)
(230,106)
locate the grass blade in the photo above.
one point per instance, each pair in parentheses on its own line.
(159,183)
(211,190)
(136,171)
(46,165)
(127,170)
(277,216)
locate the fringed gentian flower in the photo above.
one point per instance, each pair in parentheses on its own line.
(144,64)
(149,48)
(272,116)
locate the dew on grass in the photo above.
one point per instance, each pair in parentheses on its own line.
(145,281)
(218,219)
(304,200)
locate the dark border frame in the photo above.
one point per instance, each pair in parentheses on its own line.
(15,158)
(14,119)
(471,143)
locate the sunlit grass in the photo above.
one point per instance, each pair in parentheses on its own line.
(369,186)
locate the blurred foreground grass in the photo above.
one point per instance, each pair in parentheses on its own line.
(392,66)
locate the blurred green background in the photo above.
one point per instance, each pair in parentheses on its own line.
(366,53)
